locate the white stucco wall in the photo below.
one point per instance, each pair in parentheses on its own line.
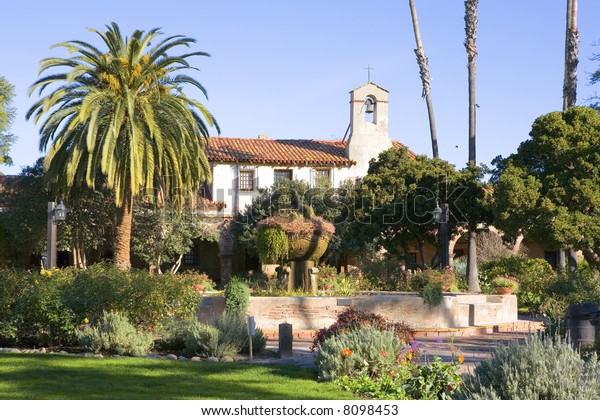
(225,182)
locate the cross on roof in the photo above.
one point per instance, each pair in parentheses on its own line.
(368,68)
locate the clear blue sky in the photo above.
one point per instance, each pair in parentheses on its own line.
(284,68)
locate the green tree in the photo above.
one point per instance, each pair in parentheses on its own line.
(23,222)
(162,234)
(7,115)
(86,232)
(123,113)
(395,200)
(550,189)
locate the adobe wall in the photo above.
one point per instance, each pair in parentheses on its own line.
(457,310)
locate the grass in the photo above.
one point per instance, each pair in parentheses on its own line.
(57,377)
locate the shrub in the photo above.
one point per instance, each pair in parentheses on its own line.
(387,386)
(384,274)
(363,351)
(237,296)
(201,340)
(32,311)
(459,265)
(259,342)
(174,333)
(199,281)
(227,335)
(434,381)
(115,335)
(535,275)
(432,294)
(143,297)
(233,333)
(353,319)
(445,278)
(538,369)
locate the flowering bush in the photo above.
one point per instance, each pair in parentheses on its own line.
(361,351)
(370,363)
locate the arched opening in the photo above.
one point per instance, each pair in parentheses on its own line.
(370,108)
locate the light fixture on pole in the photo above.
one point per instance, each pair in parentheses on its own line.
(56,212)
(440,215)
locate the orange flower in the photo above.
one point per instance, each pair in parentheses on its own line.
(461,358)
(393,372)
(346,352)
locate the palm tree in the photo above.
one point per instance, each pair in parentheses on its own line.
(425,79)
(570,95)
(470,45)
(571,56)
(122,115)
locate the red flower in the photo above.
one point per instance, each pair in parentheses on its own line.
(449,387)
(384,354)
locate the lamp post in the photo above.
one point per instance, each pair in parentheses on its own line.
(56,212)
(440,215)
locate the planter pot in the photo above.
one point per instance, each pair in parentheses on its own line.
(269,269)
(505,290)
(308,247)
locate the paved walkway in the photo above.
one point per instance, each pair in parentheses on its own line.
(474,346)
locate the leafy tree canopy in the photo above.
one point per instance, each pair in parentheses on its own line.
(550,188)
(393,203)
(7,115)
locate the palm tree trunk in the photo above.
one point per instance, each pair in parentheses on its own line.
(571,56)
(123,233)
(470,45)
(570,94)
(425,78)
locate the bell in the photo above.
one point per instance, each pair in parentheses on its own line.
(370,107)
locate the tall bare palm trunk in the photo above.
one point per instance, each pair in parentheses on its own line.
(571,56)
(470,45)
(425,78)
(570,98)
(123,234)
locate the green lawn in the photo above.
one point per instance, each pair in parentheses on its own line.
(46,377)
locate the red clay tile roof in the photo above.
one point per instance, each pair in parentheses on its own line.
(307,152)
(293,152)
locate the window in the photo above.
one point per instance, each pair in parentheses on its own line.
(283,174)
(246,180)
(191,257)
(321,178)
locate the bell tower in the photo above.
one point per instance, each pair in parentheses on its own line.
(369,127)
